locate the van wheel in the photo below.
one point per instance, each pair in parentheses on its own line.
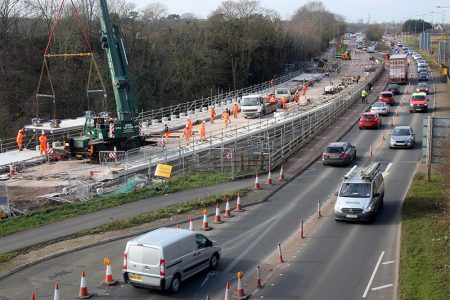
(175,284)
(213,262)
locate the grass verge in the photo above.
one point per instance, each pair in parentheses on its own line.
(425,245)
(63,211)
(172,211)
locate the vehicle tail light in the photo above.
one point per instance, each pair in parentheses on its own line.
(324,155)
(125,255)
(343,155)
(162,267)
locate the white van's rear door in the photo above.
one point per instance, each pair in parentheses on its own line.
(143,265)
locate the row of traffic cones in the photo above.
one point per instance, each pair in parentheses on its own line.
(269,178)
(217,217)
(83,293)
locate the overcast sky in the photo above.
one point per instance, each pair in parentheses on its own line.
(375,10)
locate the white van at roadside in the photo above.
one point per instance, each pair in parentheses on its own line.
(163,258)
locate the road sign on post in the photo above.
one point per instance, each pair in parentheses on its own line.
(163,170)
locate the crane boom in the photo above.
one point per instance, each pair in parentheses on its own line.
(118,66)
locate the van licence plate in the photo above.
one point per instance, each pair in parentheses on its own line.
(135,277)
(352,216)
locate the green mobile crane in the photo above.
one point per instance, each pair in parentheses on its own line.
(104,133)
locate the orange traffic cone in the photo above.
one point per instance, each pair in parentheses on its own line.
(108,276)
(84,294)
(240,294)
(238,204)
(227,291)
(12,169)
(56,296)
(269,177)
(228,210)
(217,218)
(33,297)
(191,224)
(281,177)
(257,185)
(205,225)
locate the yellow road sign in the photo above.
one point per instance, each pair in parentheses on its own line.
(163,170)
(106,261)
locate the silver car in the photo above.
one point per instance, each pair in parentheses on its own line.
(381,108)
(402,137)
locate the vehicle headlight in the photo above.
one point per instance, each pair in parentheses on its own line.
(370,208)
(259,109)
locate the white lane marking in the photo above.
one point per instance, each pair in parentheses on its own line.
(373,275)
(382,287)
(388,169)
(251,246)
(389,262)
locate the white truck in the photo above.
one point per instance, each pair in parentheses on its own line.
(257,105)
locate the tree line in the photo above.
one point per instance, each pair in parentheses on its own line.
(172,58)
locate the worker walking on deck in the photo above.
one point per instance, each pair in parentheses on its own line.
(296,96)
(226,118)
(235,110)
(202,131)
(284,102)
(20,136)
(189,124)
(304,89)
(43,143)
(212,115)
(166,133)
(187,134)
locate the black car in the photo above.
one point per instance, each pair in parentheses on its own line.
(339,153)
(394,88)
(423,76)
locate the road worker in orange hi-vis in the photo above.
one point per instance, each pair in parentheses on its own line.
(226,118)
(296,96)
(212,115)
(304,89)
(20,136)
(202,131)
(166,133)
(43,141)
(187,134)
(189,124)
(284,102)
(235,110)
(272,98)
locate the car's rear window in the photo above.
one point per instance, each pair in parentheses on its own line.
(386,95)
(369,116)
(419,97)
(334,150)
(379,104)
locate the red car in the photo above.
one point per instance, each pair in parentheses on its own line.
(369,120)
(387,97)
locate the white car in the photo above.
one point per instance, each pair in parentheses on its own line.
(422,65)
(417,56)
(380,108)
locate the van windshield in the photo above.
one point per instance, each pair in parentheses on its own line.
(355,190)
(250,101)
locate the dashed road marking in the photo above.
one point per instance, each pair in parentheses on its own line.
(382,287)
(373,275)
(389,262)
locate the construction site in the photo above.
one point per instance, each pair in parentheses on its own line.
(118,152)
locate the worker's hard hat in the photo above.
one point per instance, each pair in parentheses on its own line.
(187,126)
(203,121)
(43,132)
(21,130)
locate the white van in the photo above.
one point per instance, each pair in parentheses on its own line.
(361,194)
(163,258)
